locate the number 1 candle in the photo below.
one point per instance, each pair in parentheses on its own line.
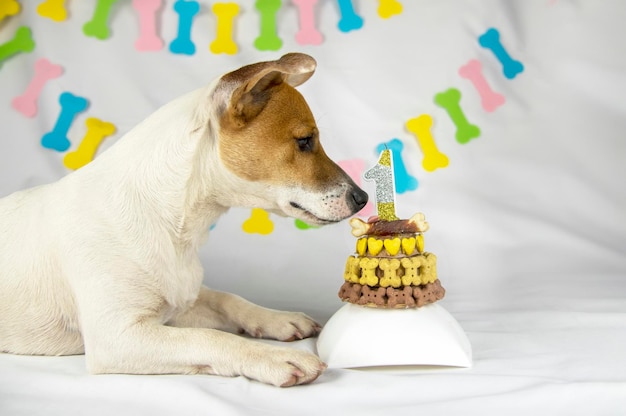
(382,175)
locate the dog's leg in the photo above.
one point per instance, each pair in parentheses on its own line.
(124,331)
(232,313)
(129,340)
(151,348)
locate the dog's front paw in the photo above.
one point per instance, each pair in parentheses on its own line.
(284,367)
(282,326)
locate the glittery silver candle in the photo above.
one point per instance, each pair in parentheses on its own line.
(382,175)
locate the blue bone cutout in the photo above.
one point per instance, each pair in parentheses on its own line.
(70,106)
(186,11)
(491,40)
(349,19)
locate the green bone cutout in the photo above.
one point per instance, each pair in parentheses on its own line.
(97,26)
(450,101)
(22,42)
(268,40)
(301,225)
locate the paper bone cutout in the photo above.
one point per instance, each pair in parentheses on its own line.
(22,41)
(489,99)
(224,43)
(491,40)
(308,33)
(53,9)
(98,27)
(186,11)
(450,100)
(388,8)
(44,71)
(420,127)
(9,8)
(349,19)
(148,39)
(97,130)
(71,105)
(268,40)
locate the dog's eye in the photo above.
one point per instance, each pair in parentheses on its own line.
(305,144)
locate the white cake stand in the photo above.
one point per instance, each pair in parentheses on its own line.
(360,336)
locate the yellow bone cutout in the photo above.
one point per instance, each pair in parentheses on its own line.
(433,158)
(9,8)
(224,42)
(97,130)
(258,223)
(388,8)
(53,9)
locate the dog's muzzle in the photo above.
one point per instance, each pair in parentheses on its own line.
(357,198)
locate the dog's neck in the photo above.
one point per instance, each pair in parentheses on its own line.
(174,154)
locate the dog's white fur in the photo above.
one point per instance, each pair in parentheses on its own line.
(105,262)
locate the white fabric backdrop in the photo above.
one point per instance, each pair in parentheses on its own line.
(528,220)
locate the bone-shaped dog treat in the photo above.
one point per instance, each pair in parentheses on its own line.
(44,71)
(349,19)
(186,10)
(433,158)
(404,181)
(71,105)
(148,39)
(490,100)
(268,40)
(491,40)
(258,223)
(22,42)
(308,33)
(9,8)
(97,26)
(97,130)
(53,9)
(224,42)
(450,100)
(388,8)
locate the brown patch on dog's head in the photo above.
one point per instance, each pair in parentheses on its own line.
(268,135)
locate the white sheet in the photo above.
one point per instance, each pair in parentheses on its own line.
(528,220)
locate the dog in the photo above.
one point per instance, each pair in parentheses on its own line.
(105,261)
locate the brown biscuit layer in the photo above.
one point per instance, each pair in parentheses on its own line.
(403,297)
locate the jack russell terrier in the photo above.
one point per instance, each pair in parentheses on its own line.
(105,261)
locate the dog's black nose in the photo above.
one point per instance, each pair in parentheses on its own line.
(359,197)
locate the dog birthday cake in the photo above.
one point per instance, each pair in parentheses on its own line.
(390,268)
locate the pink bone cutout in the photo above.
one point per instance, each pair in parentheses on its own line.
(308,33)
(44,71)
(148,39)
(355,168)
(472,71)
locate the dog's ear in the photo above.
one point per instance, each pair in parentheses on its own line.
(252,85)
